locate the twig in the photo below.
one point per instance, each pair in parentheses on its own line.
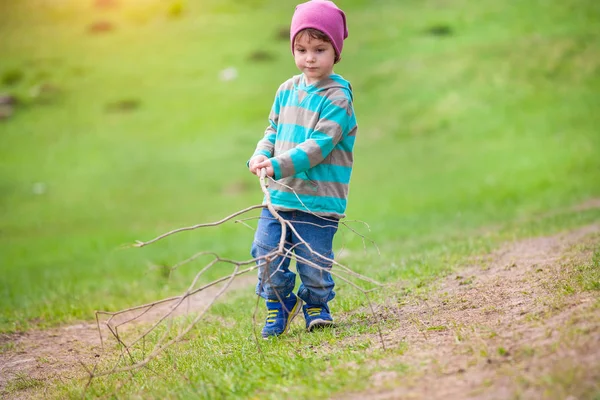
(189,228)
(284,250)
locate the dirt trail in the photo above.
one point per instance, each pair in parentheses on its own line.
(507,327)
(496,330)
(36,356)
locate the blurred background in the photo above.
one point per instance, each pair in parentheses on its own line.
(123,119)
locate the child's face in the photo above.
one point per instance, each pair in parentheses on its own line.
(314,57)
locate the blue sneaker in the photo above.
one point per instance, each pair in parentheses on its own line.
(317,316)
(280,315)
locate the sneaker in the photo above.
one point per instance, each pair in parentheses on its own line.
(317,316)
(280,315)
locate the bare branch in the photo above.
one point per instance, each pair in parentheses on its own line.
(189,228)
(166,308)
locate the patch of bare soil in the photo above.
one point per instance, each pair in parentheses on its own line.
(506,327)
(31,359)
(514,325)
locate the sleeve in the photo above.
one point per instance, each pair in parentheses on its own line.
(266,145)
(332,127)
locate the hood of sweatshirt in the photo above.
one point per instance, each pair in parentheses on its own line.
(333,81)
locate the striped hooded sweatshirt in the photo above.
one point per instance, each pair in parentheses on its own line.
(309,141)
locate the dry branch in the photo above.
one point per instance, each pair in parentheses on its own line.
(168,307)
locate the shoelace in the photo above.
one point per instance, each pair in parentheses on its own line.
(314,311)
(272,315)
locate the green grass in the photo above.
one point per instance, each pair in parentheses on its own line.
(224,365)
(23,382)
(465,140)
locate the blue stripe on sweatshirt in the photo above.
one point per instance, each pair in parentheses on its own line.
(316,204)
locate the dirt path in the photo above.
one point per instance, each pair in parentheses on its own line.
(514,325)
(31,358)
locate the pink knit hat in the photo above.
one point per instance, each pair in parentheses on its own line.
(322,15)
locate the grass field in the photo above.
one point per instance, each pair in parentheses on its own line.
(478,123)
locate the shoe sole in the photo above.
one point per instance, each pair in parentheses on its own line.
(295,311)
(318,324)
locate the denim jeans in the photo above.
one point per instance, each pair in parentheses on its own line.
(317,284)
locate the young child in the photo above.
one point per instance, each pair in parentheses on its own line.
(307,150)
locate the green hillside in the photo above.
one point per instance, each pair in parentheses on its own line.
(473,117)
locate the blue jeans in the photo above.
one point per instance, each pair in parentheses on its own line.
(317,284)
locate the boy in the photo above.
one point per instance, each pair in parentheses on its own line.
(307,150)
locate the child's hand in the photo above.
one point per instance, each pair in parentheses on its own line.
(253,162)
(259,162)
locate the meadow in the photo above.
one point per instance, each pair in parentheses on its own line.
(478,124)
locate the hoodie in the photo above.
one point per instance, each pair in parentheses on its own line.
(309,140)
